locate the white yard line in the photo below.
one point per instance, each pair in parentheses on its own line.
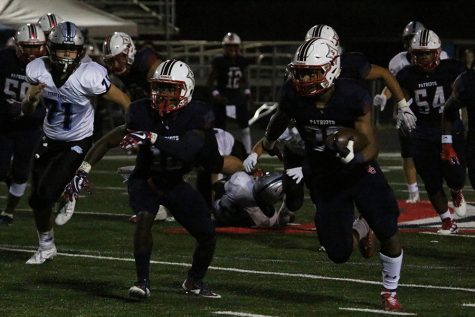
(468,305)
(234,313)
(253,272)
(377,311)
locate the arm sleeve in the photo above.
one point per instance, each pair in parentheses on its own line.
(95,80)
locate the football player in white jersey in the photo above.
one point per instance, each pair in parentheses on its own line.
(66,87)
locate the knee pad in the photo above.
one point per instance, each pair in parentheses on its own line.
(17,189)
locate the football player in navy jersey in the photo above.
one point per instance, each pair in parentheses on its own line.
(229,85)
(66,87)
(339,180)
(463,95)
(179,129)
(427,83)
(19,135)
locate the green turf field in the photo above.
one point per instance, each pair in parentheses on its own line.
(260,274)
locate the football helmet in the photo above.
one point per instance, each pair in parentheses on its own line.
(62,40)
(315,66)
(231,39)
(267,189)
(119,52)
(171,86)
(30,41)
(323,31)
(49,21)
(425,49)
(409,31)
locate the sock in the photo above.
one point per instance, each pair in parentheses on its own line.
(391,270)
(246,139)
(446,214)
(6,214)
(142,266)
(412,188)
(361,226)
(46,239)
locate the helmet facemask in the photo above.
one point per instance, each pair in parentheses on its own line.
(28,52)
(117,64)
(168,95)
(119,52)
(65,57)
(428,60)
(29,42)
(310,80)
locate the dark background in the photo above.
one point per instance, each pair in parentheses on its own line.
(373,27)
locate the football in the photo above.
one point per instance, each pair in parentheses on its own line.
(338,140)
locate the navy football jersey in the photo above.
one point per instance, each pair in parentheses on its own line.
(13,83)
(229,73)
(165,162)
(354,65)
(136,79)
(464,90)
(429,91)
(349,101)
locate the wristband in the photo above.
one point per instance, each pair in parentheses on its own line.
(446,139)
(215,93)
(402,104)
(85,167)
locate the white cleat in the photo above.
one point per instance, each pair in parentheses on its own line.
(41,255)
(65,211)
(414,197)
(162,214)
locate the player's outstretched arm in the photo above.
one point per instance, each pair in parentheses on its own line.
(378,72)
(115,95)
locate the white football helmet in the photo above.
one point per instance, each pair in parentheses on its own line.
(425,49)
(323,31)
(66,36)
(119,52)
(231,39)
(409,31)
(171,86)
(49,21)
(315,66)
(30,40)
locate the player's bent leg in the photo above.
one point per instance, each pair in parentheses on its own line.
(391,256)
(364,238)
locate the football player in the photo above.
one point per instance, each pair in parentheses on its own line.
(66,87)
(133,68)
(229,85)
(19,135)
(427,83)
(398,62)
(462,96)
(248,201)
(179,128)
(321,103)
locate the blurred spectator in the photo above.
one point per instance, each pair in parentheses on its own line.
(468,58)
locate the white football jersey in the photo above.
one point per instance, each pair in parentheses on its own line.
(70,110)
(399,61)
(225,141)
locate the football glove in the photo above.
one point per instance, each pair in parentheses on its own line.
(348,153)
(137,138)
(406,120)
(78,183)
(380,100)
(250,162)
(295,173)
(448,153)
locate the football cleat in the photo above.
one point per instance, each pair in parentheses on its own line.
(41,255)
(367,244)
(413,198)
(140,290)
(6,220)
(448,227)
(458,200)
(390,301)
(65,211)
(198,288)
(162,214)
